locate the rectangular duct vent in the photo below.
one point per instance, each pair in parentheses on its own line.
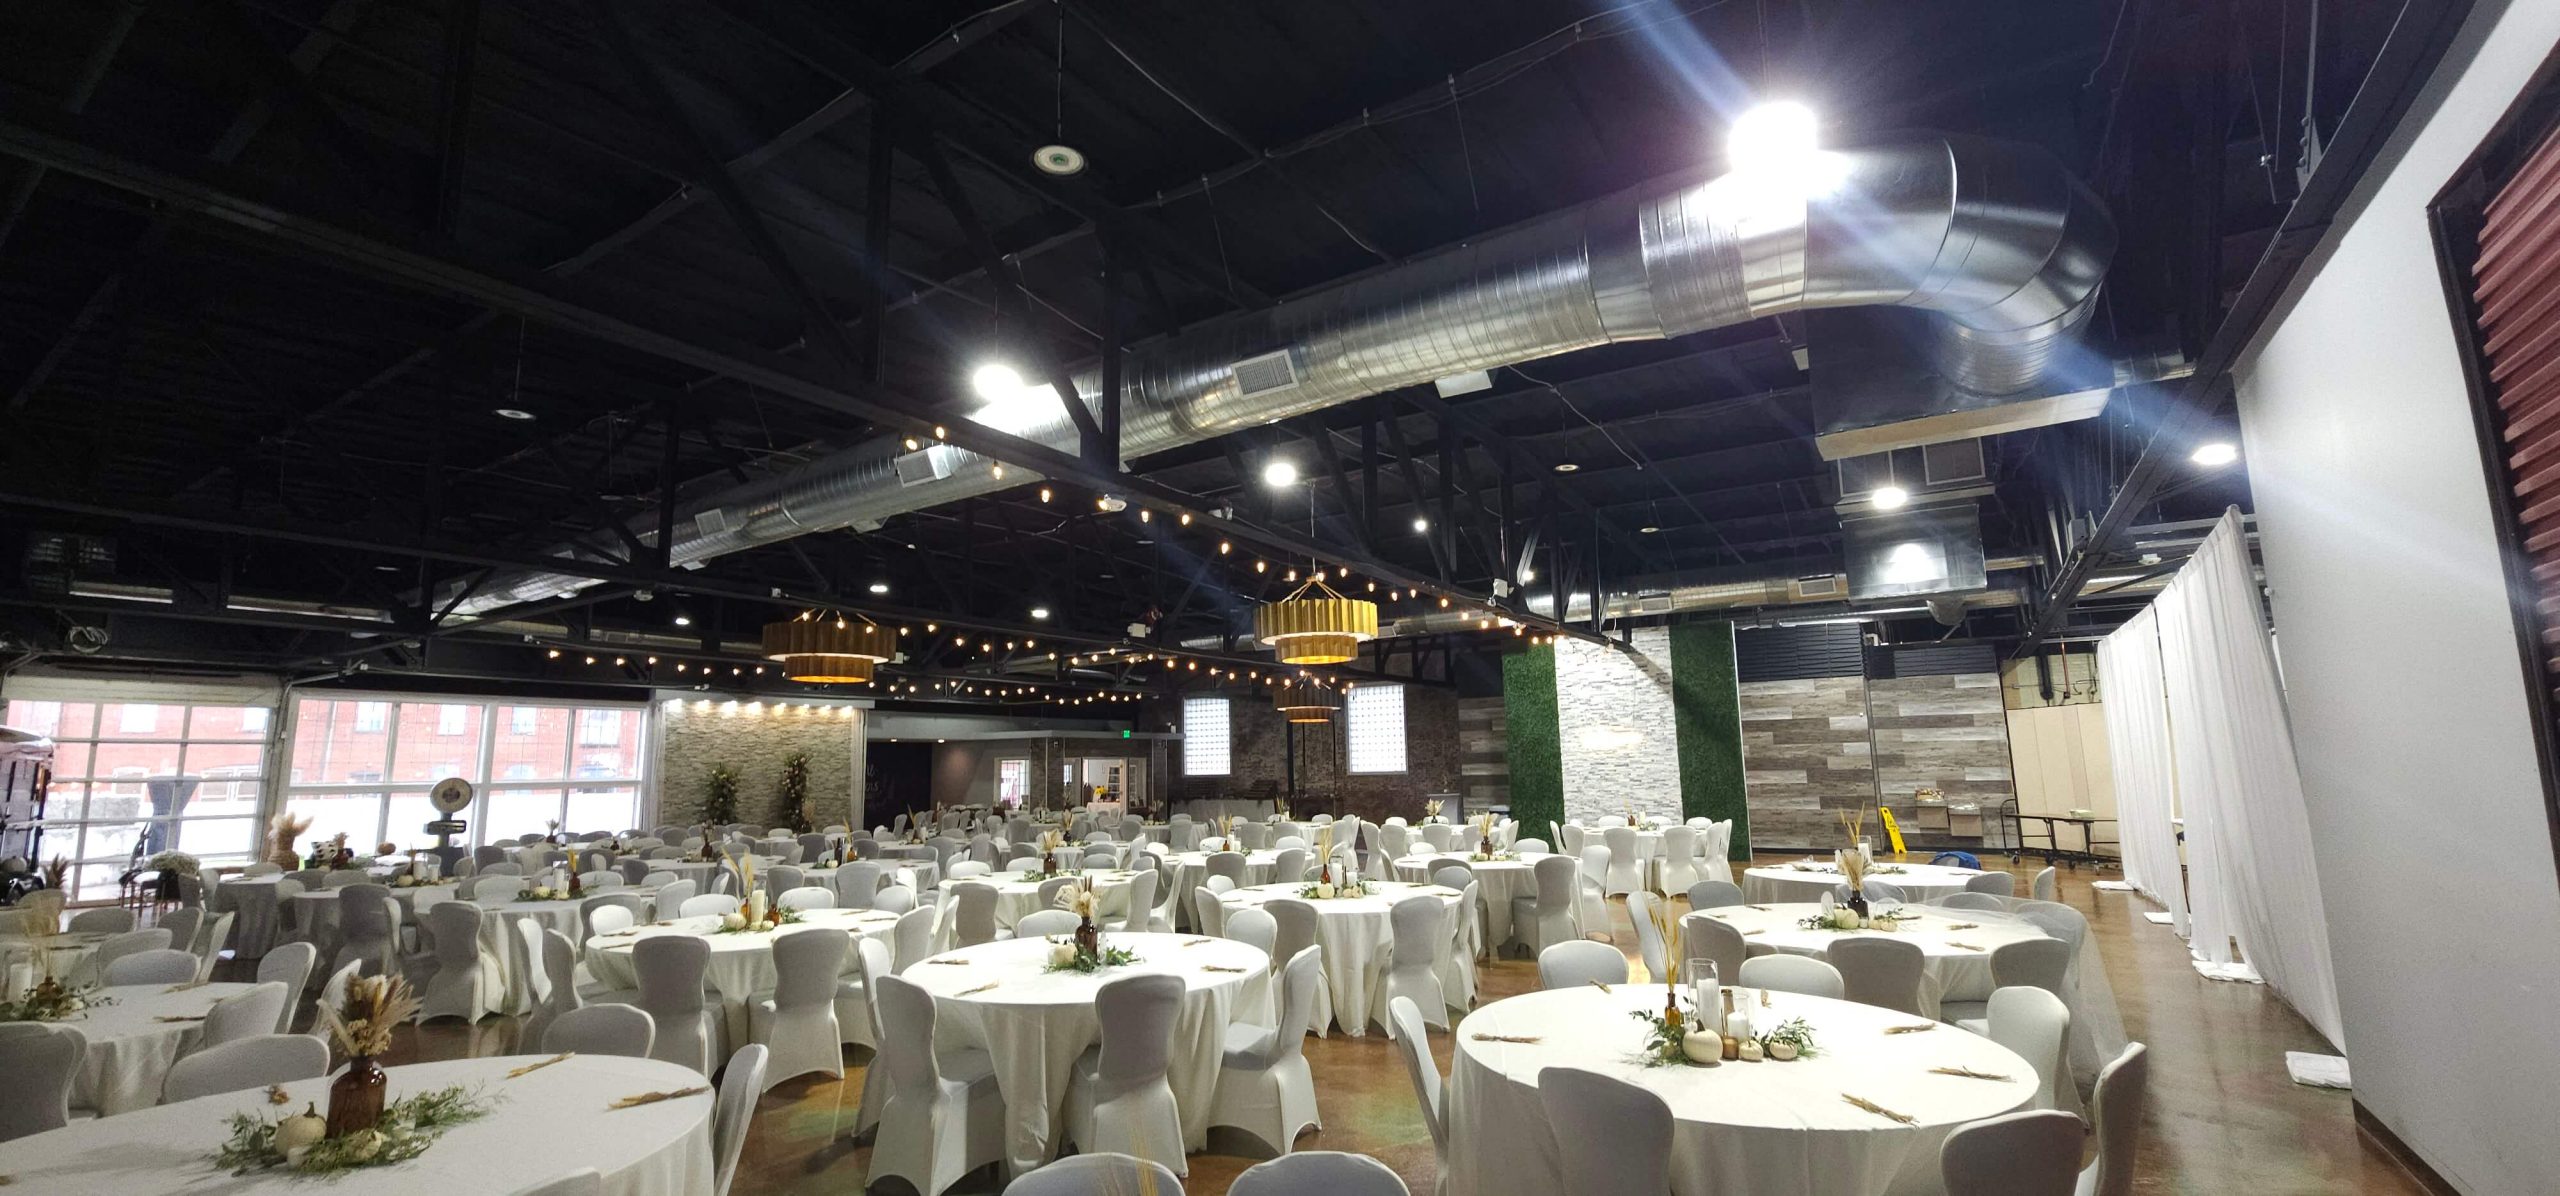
(1264,374)
(1952,463)
(1821,585)
(929,464)
(711,522)
(1915,552)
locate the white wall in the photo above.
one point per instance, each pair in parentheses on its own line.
(1617,740)
(2407,698)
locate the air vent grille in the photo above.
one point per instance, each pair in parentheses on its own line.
(1264,374)
(1821,585)
(1952,463)
(931,463)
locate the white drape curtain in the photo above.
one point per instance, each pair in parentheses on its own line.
(2138,753)
(2248,830)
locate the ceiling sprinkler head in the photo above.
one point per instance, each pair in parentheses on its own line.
(1058,159)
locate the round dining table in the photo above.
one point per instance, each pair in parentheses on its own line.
(1766,1129)
(1955,944)
(135,1037)
(1357,935)
(741,963)
(1808,880)
(544,1122)
(1498,880)
(72,955)
(1018,893)
(1033,1023)
(1191,870)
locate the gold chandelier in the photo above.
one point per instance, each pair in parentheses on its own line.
(1316,625)
(1305,701)
(824,646)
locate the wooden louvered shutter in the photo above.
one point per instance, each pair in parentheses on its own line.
(2516,284)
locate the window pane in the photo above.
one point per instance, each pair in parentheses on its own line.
(602,809)
(608,745)
(57,720)
(406,824)
(226,773)
(1013,780)
(70,758)
(134,761)
(514,812)
(215,840)
(359,815)
(141,720)
(1204,737)
(227,722)
(328,749)
(437,741)
(370,717)
(1373,721)
(533,742)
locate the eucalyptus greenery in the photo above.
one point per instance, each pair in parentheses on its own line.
(1110,957)
(720,796)
(1795,1033)
(1663,1041)
(408,1127)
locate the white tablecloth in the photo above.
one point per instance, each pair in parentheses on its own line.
(1191,870)
(1785,882)
(1035,1023)
(1498,881)
(1357,935)
(259,925)
(741,964)
(1014,898)
(72,956)
(543,1122)
(1958,946)
(1762,1129)
(130,1049)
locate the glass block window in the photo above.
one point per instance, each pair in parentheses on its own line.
(1204,737)
(1373,721)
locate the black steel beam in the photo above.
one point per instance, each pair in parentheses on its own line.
(453,121)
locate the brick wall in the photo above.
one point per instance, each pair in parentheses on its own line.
(1484,764)
(1258,759)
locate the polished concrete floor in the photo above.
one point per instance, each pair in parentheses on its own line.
(2221,1116)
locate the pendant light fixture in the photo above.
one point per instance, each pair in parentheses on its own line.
(1305,701)
(1315,624)
(825,646)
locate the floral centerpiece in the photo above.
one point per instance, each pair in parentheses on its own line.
(1323,888)
(1084,952)
(547,893)
(758,915)
(361,1024)
(1431,809)
(301,1141)
(177,863)
(49,1000)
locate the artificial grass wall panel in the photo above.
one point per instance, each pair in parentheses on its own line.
(1706,710)
(1532,739)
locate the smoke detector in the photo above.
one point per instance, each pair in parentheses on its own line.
(1058,159)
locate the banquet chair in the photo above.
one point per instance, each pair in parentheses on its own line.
(894,899)
(632,869)
(2037,1025)
(806,897)
(1161,920)
(368,926)
(1043,923)
(1208,914)
(609,919)
(1452,874)
(2044,887)
(797,1021)
(491,890)
(1707,937)
(1254,925)
(1319,1173)
(132,942)
(1229,864)
(670,970)
(1103,1174)
(866,848)
(585,1181)
(161,965)
(262,868)
(1649,944)
(291,965)
(1118,1098)
(781,877)
(252,1062)
(458,976)
(1289,865)
(1592,898)
(103,921)
(1679,866)
(1395,840)
(1625,873)
(1715,894)
(1574,964)
(339,878)
(209,941)
(2014,1154)
(1991,902)
(1296,927)
(1288,838)
(1439,835)
(1716,850)
(967,870)
(673,894)
(40,1060)
(1998,884)
(872,959)
(717,904)
(185,926)
(635,906)
(733,1110)
(1413,1042)
(973,914)
(502,868)
(1791,974)
(1574,837)
(1047,898)
(1264,1086)
(553,963)
(1139,901)
(599,879)
(942,1117)
(333,995)
(857,884)
(1545,918)
(2116,1112)
(813,847)
(1612,1137)
(1249,837)
(258,1010)
(1411,970)
(1882,972)
(2043,963)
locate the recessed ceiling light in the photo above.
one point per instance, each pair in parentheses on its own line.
(1648,529)
(1422,525)
(1889,498)
(513,413)
(1039,612)
(1280,473)
(1566,467)
(879,587)
(2219,452)
(684,620)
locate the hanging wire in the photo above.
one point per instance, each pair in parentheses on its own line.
(1466,157)
(1217,230)
(1061,76)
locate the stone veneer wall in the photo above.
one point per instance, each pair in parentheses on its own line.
(1948,731)
(753,739)
(1616,734)
(1805,756)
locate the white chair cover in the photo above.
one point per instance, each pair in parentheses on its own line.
(1879,971)
(2034,1023)
(1704,937)
(1412,971)
(1319,1173)
(41,1061)
(941,1120)
(159,966)
(2116,1113)
(670,970)
(1574,964)
(739,1087)
(1613,1138)
(1415,1045)
(1264,1085)
(2015,1154)
(798,1022)
(1714,894)
(252,1062)
(462,977)
(1119,1099)
(1792,974)
(1649,944)
(554,976)
(250,1014)
(1679,866)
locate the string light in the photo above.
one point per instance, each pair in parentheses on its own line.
(1224,547)
(555,654)
(998,469)
(1044,494)
(1261,567)
(1144,516)
(1186,519)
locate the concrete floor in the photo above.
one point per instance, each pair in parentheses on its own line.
(2221,1116)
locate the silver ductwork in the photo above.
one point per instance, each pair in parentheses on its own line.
(1996,239)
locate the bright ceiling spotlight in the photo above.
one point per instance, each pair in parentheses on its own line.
(1649,529)
(879,587)
(1774,136)
(1422,525)
(513,413)
(995,381)
(1039,612)
(684,620)
(1566,467)
(1280,473)
(1889,498)
(2218,453)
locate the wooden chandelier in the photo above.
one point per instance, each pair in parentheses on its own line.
(1316,625)
(823,646)
(1305,702)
